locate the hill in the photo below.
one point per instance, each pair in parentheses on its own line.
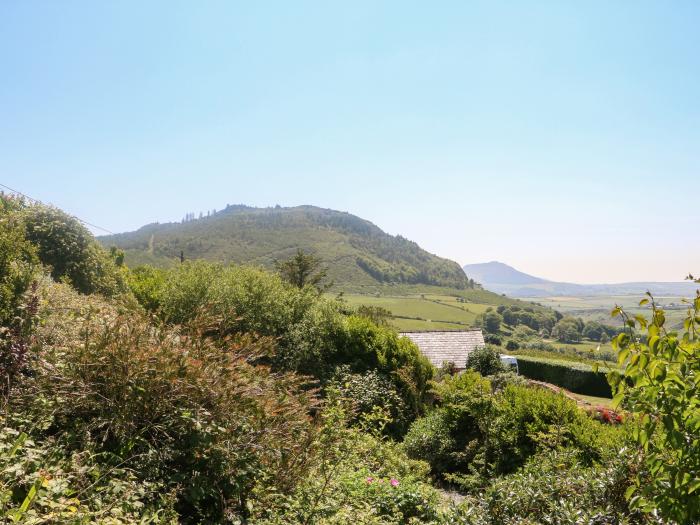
(360,256)
(501,278)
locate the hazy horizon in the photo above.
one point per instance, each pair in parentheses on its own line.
(558,139)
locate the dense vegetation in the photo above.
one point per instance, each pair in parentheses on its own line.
(211,393)
(359,255)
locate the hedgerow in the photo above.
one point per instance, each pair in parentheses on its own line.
(576,377)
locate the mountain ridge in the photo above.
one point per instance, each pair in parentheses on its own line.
(357,252)
(501,278)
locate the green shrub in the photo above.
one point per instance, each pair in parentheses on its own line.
(433,438)
(476,434)
(189,414)
(356,477)
(43,482)
(18,300)
(486,360)
(313,335)
(71,252)
(576,377)
(368,392)
(18,261)
(526,419)
(554,487)
(448,437)
(147,285)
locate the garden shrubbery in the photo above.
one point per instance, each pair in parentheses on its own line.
(576,377)
(313,335)
(475,434)
(222,394)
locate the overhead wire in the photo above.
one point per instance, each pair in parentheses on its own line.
(86,223)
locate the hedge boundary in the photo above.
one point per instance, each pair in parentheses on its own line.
(575,377)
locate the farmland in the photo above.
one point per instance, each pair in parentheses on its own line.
(598,308)
(423,311)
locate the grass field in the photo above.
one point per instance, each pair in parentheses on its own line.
(595,401)
(424,311)
(598,308)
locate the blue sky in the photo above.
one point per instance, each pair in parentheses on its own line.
(560,137)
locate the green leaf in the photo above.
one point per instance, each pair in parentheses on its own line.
(17,444)
(617,399)
(693,485)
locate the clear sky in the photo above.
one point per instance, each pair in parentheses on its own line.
(562,138)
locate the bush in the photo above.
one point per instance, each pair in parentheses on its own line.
(476,434)
(448,437)
(660,388)
(433,439)
(512,345)
(313,334)
(18,261)
(147,284)
(368,392)
(554,487)
(65,246)
(486,360)
(576,377)
(492,339)
(191,415)
(43,482)
(356,477)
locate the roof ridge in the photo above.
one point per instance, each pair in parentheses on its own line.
(440,331)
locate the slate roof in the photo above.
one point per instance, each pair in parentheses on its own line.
(451,346)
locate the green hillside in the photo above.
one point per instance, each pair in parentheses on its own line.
(360,256)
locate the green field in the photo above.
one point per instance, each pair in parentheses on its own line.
(598,308)
(595,401)
(424,312)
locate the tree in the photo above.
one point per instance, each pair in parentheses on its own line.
(486,360)
(378,315)
(491,321)
(304,269)
(660,387)
(593,331)
(567,330)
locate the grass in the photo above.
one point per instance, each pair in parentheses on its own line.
(421,312)
(598,308)
(593,400)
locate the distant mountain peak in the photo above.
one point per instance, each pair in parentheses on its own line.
(500,278)
(500,273)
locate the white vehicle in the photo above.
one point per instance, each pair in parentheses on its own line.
(510,362)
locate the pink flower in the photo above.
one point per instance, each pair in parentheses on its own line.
(370,480)
(394,482)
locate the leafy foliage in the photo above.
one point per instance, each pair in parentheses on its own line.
(196,417)
(568,330)
(486,360)
(357,477)
(662,390)
(18,261)
(69,250)
(478,432)
(314,335)
(555,487)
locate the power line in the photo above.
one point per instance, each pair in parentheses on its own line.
(75,217)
